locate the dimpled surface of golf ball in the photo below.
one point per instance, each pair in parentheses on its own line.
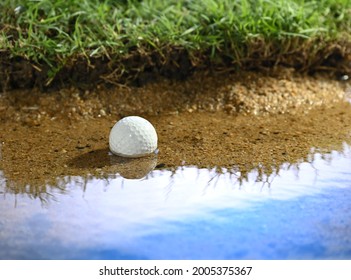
(133,137)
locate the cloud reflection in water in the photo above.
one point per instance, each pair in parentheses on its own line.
(300,212)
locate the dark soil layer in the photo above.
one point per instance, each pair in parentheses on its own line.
(138,69)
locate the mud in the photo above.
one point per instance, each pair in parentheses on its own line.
(233,121)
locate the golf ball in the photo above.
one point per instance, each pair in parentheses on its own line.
(133,137)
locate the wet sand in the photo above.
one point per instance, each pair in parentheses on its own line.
(204,122)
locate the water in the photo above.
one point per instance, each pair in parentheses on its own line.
(300,211)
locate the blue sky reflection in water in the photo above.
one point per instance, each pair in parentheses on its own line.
(299,213)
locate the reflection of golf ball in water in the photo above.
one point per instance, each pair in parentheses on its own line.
(132,168)
(133,137)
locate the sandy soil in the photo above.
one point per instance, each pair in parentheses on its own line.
(232,121)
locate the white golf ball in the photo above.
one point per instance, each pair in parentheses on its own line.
(133,137)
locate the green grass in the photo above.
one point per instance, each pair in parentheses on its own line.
(58,33)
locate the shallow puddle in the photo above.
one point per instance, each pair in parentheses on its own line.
(221,187)
(300,211)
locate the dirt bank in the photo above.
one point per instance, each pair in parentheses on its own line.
(231,121)
(236,93)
